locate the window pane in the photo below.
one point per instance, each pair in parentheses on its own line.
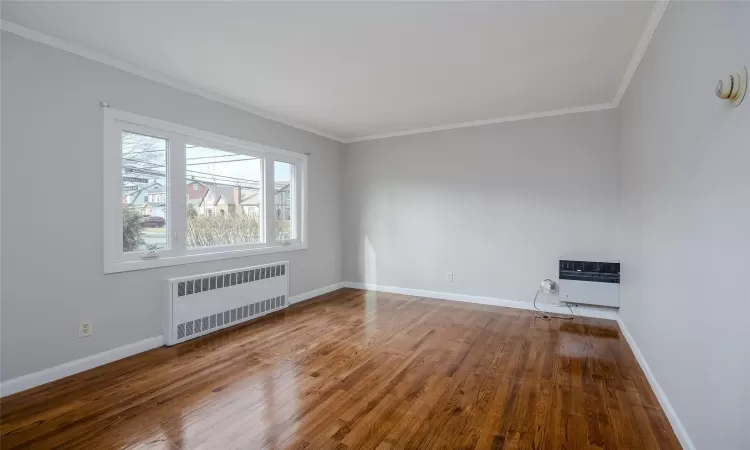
(284,201)
(223,197)
(144,193)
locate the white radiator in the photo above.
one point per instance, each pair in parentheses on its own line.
(202,304)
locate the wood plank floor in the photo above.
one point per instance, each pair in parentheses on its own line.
(359,370)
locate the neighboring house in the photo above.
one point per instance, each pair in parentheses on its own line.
(282,202)
(210,199)
(207,199)
(150,200)
(154,209)
(196,190)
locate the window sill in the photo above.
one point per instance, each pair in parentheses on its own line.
(127,266)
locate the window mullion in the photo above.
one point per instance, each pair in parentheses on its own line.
(268,201)
(177,205)
(300,201)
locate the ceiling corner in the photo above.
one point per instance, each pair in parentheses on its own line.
(640,49)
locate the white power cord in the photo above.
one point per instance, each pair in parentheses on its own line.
(547,315)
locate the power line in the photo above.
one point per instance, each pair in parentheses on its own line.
(222,156)
(205,178)
(210,176)
(230,155)
(145,151)
(144,162)
(219,162)
(186,170)
(197,163)
(221,176)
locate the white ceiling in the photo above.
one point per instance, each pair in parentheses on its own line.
(353,70)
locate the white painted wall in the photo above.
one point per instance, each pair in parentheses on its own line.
(52,214)
(686,219)
(496,205)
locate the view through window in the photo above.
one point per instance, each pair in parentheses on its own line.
(144,192)
(180,195)
(223,197)
(284,200)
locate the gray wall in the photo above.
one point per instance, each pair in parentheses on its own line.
(496,205)
(686,219)
(52,205)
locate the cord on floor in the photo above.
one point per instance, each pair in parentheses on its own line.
(544,315)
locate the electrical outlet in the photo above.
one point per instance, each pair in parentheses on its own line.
(449,277)
(85,329)
(559,302)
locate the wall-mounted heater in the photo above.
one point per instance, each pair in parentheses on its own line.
(202,304)
(590,282)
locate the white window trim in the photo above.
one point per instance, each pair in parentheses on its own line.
(297,182)
(115,260)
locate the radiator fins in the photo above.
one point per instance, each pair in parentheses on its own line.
(222,319)
(204,284)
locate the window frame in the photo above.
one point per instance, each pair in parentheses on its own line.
(296,193)
(178,136)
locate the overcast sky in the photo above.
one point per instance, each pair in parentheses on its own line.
(202,162)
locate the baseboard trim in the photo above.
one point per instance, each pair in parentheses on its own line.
(79,365)
(578,310)
(45,376)
(314,293)
(31,380)
(669,411)
(674,420)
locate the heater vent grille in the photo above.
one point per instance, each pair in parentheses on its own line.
(202,304)
(210,283)
(208,323)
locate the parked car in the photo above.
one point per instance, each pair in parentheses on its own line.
(153,222)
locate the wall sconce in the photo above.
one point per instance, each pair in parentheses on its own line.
(734,87)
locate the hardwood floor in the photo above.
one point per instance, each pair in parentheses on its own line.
(356,370)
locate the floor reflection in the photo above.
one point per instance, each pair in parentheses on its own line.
(370,314)
(362,370)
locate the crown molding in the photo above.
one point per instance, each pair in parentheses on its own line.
(478,123)
(640,49)
(656,14)
(134,69)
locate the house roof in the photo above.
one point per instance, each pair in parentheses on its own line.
(212,195)
(215,193)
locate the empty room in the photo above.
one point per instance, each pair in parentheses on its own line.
(375,225)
